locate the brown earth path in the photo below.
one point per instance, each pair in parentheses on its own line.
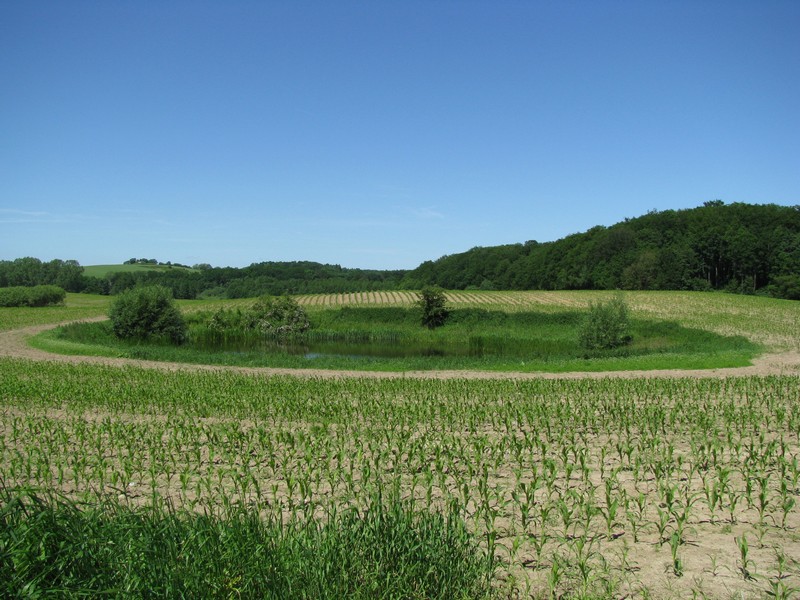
(14,344)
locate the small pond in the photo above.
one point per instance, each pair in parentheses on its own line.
(312,349)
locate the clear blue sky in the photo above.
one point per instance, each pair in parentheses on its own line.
(381,134)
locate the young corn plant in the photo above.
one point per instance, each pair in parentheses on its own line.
(745,563)
(779,588)
(677,562)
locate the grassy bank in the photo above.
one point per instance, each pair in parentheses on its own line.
(473,338)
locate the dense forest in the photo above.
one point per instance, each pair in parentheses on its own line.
(742,248)
(738,247)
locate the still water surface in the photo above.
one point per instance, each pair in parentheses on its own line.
(318,349)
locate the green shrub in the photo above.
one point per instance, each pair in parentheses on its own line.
(606,326)
(786,286)
(282,316)
(39,295)
(13,296)
(432,304)
(147,312)
(46,295)
(269,316)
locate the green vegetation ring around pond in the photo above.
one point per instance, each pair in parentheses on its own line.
(374,338)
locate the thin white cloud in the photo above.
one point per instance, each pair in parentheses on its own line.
(376,251)
(357,222)
(16,216)
(144,212)
(427,213)
(140,217)
(27,213)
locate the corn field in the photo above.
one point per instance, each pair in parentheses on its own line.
(662,488)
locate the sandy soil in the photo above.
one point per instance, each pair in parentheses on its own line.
(14,344)
(710,554)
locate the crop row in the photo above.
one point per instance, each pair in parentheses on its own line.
(597,486)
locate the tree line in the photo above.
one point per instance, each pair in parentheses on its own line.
(738,247)
(29,272)
(258,279)
(743,248)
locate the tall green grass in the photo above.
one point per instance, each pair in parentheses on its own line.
(52,547)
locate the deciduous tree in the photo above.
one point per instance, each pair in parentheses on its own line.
(432,303)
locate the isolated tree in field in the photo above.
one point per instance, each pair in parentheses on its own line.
(432,303)
(606,326)
(147,312)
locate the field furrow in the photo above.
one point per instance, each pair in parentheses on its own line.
(640,487)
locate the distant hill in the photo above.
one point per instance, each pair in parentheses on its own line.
(102,271)
(745,248)
(737,247)
(301,277)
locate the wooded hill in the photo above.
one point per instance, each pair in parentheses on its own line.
(742,248)
(273,278)
(737,247)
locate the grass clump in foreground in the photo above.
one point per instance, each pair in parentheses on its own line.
(52,547)
(473,338)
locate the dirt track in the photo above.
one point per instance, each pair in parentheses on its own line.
(14,344)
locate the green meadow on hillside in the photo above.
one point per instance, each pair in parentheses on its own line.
(103,270)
